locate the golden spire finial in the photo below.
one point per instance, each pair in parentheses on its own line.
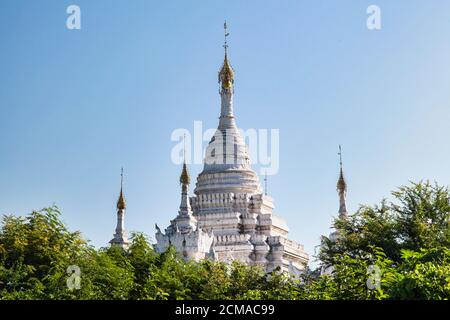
(341,184)
(226,74)
(184,178)
(121,205)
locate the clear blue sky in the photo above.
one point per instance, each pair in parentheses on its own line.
(77,105)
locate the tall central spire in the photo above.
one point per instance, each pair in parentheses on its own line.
(226,154)
(226,80)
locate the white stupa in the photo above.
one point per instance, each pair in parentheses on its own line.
(229,217)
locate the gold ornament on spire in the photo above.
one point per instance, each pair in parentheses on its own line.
(121,205)
(185,178)
(341,184)
(226,74)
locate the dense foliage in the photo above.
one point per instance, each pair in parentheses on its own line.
(407,241)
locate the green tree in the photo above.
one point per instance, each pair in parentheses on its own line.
(423,274)
(33,251)
(407,239)
(418,218)
(36,251)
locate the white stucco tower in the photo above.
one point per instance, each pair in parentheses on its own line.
(228,203)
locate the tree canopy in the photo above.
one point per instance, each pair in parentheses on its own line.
(393,250)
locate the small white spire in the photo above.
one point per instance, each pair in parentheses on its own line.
(341,188)
(120,237)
